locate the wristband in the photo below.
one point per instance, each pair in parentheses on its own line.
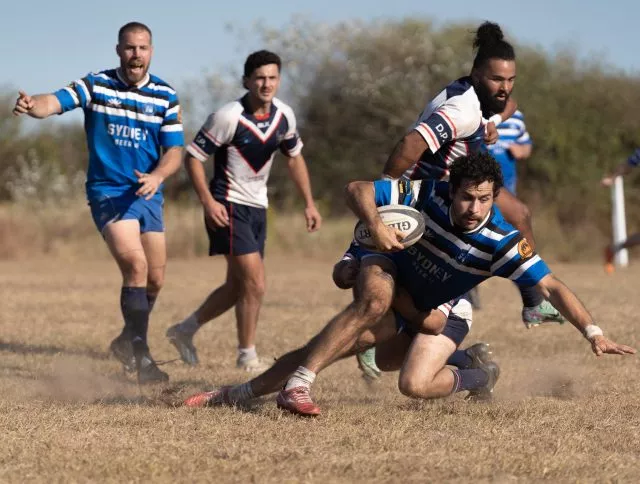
(592,331)
(496,119)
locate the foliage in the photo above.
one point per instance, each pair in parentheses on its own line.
(358,87)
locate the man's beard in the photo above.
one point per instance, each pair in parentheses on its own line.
(489,103)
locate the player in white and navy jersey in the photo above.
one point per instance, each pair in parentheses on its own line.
(513,145)
(634,239)
(451,126)
(135,138)
(243,138)
(466,241)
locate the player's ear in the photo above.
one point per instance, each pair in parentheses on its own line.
(244,82)
(451,191)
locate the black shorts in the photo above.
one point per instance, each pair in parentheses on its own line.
(246,233)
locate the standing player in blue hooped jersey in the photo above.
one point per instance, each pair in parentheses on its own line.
(513,145)
(135,138)
(243,137)
(466,241)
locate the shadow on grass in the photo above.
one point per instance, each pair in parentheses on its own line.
(35,349)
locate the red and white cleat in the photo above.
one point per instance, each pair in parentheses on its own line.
(298,401)
(209,399)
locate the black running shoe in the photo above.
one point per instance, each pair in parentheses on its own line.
(486,392)
(122,350)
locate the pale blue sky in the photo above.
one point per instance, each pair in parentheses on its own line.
(46,44)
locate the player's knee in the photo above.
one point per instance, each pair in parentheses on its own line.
(135,268)
(371,308)
(254,286)
(155,283)
(414,387)
(408,386)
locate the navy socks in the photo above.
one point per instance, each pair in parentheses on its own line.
(530,296)
(135,310)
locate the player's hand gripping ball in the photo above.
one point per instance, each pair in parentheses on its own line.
(406,219)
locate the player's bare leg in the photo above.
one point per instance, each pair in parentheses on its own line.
(536,310)
(250,273)
(125,243)
(155,249)
(217,303)
(374,293)
(274,378)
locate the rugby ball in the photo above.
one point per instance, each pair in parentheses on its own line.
(404,218)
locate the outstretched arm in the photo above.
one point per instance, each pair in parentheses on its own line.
(571,308)
(39,106)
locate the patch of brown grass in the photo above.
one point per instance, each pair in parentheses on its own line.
(68,414)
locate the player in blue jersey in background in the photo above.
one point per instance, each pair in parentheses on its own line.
(466,241)
(513,145)
(134,135)
(243,137)
(634,239)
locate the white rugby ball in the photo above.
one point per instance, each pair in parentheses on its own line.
(404,218)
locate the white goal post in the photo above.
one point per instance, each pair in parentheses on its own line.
(619,221)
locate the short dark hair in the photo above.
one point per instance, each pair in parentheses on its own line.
(490,43)
(478,168)
(259,59)
(132,26)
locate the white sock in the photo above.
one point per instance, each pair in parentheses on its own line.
(302,377)
(241,393)
(189,325)
(247,354)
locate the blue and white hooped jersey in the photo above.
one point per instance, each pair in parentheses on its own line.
(511,131)
(127,127)
(244,146)
(452,126)
(447,262)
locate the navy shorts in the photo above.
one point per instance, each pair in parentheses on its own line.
(456,328)
(106,210)
(246,233)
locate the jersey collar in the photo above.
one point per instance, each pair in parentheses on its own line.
(145,80)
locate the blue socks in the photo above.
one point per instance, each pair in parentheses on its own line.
(530,296)
(460,359)
(135,310)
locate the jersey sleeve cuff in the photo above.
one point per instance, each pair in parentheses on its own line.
(197,153)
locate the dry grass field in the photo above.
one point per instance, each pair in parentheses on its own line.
(67,413)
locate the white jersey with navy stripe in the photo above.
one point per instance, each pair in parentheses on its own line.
(452,126)
(447,261)
(244,146)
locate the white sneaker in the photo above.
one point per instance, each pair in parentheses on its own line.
(253,365)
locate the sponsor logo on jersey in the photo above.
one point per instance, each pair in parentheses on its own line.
(427,268)
(524,249)
(113,102)
(148,109)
